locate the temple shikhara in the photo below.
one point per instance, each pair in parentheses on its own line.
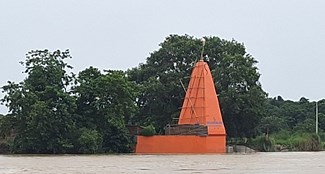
(200,127)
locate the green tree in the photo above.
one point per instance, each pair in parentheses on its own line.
(321,114)
(6,126)
(297,112)
(291,116)
(273,120)
(106,102)
(41,106)
(234,72)
(89,141)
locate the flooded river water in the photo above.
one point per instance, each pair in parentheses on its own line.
(278,162)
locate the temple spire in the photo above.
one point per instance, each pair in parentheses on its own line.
(201,104)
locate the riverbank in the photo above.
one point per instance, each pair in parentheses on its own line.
(280,142)
(284,141)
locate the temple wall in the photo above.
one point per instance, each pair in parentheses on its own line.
(175,144)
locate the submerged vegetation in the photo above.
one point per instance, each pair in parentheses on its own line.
(286,142)
(56,111)
(148,131)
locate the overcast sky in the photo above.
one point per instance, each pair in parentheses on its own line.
(287,38)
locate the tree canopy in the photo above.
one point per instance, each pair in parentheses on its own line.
(292,116)
(105,103)
(52,111)
(42,108)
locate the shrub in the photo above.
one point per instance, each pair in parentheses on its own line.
(148,131)
(90,141)
(262,143)
(297,141)
(4,147)
(306,142)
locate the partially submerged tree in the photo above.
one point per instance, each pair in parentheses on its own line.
(106,103)
(41,106)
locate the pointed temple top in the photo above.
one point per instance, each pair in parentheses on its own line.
(201,105)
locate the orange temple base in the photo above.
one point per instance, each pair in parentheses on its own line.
(175,144)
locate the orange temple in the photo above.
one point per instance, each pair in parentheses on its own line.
(200,107)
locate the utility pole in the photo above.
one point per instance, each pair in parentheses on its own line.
(316,117)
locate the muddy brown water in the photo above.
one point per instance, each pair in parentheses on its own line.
(278,162)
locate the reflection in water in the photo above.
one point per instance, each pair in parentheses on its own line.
(278,162)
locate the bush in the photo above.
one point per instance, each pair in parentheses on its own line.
(90,141)
(282,140)
(306,142)
(322,145)
(321,136)
(4,147)
(262,143)
(148,131)
(297,141)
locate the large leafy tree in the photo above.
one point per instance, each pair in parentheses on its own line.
(105,104)
(51,111)
(41,107)
(235,75)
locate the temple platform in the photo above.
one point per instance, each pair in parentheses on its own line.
(181,144)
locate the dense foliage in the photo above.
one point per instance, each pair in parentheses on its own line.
(52,111)
(292,116)
(105,103)
(55,111)
(41,106)
(289,125)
